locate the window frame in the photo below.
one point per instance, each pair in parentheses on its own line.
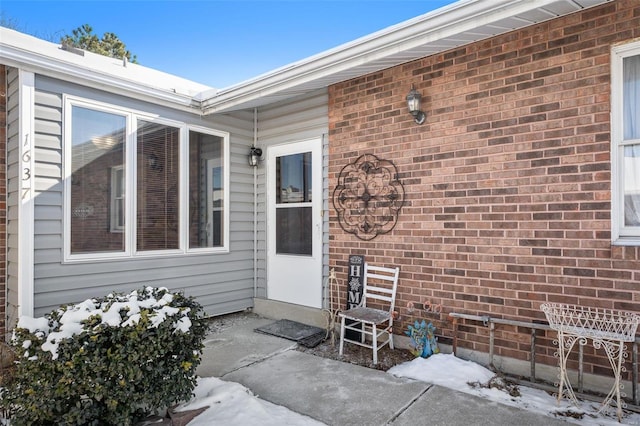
(620,234)
(132,116)
(69,103)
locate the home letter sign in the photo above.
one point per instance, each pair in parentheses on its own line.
(354,287)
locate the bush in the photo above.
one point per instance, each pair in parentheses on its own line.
(112,360)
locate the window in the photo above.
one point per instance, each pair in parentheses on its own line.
(626,143)
(125,185)
(97,148)
(207,190)
(294,221)
(157,187)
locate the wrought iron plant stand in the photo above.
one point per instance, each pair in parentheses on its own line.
(607,329)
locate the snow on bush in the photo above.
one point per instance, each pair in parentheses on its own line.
(110,360)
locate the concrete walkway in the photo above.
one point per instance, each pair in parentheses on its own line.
(339,393)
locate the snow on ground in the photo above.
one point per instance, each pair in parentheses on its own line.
(233,404)
(455,373)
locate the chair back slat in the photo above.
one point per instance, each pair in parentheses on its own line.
(376,289)
(372,296)
(380,276)
(380,284)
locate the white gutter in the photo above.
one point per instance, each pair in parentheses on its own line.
(464,15)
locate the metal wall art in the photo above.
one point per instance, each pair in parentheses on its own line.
(368,197)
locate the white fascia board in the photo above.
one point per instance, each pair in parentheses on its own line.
(464,15)
(44,58)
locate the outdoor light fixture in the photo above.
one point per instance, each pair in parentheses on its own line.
(413,102)
(254,156)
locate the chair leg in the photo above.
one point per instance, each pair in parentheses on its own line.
(375,344)
(390,333)
(341,336)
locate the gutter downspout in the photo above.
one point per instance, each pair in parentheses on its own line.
(255,208)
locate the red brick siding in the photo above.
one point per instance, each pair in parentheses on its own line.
(3,197)
(507,183)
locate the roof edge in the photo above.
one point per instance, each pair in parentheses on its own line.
(438,24)
(44,58)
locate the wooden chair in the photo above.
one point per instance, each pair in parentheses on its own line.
(373,318)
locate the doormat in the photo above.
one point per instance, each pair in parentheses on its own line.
(306,335)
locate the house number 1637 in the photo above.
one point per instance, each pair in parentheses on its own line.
(26,168)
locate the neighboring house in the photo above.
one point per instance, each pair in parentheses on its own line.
(520,187)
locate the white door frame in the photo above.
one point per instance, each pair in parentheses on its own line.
(297,278)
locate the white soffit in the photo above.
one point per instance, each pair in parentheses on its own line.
(458,24)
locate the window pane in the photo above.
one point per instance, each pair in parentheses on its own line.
(117,199)
(157,187)
(293,178)
(97,145)
(632,185)
(206,190)
(293,230)
(631,95)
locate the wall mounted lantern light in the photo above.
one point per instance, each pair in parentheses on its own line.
(254,156)
(413,103)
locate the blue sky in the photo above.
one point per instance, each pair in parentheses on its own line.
(217,42)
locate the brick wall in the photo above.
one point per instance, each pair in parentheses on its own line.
(3,197)
(507,183)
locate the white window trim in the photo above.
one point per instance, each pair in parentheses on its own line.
(226,155)
(620,235)
(130,167)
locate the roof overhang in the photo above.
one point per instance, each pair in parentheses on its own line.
(458,24)
(97,71)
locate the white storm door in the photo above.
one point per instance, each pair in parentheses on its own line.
(294,223)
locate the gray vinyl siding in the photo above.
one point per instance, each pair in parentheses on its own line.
(221,282)
(12,195)
(292,121)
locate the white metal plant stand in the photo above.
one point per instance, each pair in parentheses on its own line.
(334,306)
(607,329)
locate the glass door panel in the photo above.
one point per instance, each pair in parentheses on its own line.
(293,204)
(294,231)
(293,178)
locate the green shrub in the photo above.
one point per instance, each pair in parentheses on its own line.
(112,360)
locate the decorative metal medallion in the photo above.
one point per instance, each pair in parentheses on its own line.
(368,197)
